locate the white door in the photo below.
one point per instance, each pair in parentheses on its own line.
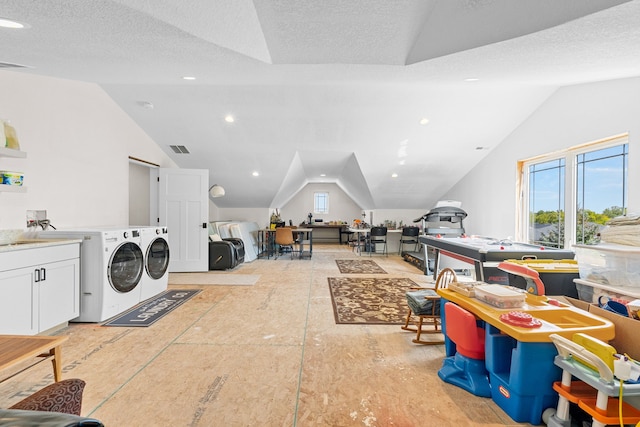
(183,207)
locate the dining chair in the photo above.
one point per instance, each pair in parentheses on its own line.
(377,235)
(284,239)
(409,236)
(424,309)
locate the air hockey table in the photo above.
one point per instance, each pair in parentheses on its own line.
(485,253)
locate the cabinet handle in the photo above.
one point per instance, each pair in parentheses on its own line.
(37,275)
(44,274)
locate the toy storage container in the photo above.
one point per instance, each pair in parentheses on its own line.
(610,264)
(500,296)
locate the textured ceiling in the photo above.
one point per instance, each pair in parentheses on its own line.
(333,87)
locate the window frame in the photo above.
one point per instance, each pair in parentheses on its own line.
(570,185)
(325,195)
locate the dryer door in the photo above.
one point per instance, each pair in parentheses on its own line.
(126,267)
(157,260)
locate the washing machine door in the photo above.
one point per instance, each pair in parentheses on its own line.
(157,259)
(126,267)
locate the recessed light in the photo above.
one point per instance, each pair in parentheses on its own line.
(471,79)
(8,23)
(229,118)
(255,173)
(424,121)
(146,104)
(394,175)
(188,78)
(323,175)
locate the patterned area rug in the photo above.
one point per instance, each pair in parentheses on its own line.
(369,301)
(359,266)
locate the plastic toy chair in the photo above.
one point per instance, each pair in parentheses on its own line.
(466,369)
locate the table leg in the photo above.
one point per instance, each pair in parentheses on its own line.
(56,360)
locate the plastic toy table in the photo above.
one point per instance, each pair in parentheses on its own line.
(485,253)
(520,360)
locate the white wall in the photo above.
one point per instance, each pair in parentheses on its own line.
(139,195)
(571,116)
(341,206)
(257,215)
(77,142)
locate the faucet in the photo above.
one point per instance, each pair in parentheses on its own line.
(43,223)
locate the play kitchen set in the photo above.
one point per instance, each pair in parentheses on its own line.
(520,354)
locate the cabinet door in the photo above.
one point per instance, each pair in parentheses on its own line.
(58,293)
(17,315)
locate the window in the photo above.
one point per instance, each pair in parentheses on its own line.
(572,194)
(321,202)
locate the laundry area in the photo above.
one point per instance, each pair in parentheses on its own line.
(285,213)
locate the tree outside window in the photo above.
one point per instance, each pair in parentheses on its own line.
(572,196)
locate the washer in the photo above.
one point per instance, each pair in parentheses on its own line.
(111,269)
(155,244)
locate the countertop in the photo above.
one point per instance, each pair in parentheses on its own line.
(23,244)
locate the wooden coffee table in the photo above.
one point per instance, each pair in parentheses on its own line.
(18,348)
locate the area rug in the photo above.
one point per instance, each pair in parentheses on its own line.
(152,310)
(369,301)
(357,266)
(213,278)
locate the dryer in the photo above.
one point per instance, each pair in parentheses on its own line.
(155,246)
(111,269)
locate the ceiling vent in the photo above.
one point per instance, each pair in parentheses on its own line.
(10,65)
(179,149)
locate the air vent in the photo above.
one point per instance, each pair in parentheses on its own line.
(179,149)
(10,65)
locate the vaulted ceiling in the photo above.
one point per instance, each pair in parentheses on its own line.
(333,87)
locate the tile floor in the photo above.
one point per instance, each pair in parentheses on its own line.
(269,354)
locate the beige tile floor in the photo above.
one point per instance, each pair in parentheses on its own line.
(263,355)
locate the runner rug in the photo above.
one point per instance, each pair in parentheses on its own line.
(369,301)
(359,266)
(152,310)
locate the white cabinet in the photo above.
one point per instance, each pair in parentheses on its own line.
(16,309)
(42,290)
(8,152)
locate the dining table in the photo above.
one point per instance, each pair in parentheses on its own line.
(267,245)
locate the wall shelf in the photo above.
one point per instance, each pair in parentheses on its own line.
(9,152)
(4,188)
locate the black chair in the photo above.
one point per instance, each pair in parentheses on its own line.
(409,236)
(345,231)
(377,235)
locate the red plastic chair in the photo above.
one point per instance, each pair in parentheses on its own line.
(466,369)
(463,331)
